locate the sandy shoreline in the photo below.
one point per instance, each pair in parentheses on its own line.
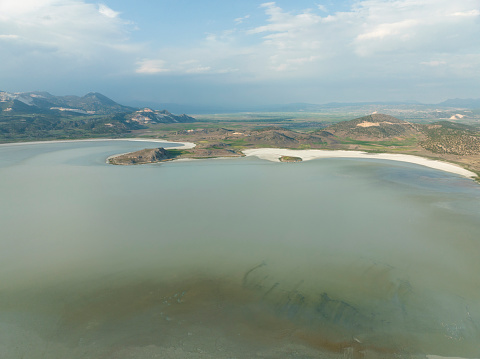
(273,154)
(182,145)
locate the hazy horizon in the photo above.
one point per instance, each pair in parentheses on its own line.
(209,108)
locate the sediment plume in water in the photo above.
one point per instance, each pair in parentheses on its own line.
(248,315)
(199,315)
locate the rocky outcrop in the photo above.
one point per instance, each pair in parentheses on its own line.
(290,159)
(149,116)
(152,155)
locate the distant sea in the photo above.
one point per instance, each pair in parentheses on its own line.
(240,258)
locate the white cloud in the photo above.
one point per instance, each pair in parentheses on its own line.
(148,66)
(69,46)
(177,67)
(105,10)
(405,30)
(240,20)
(280,21)
(434,63)
(470,13)
(188,62)
(8,37)
(415,26)
(375,38)
(396,29)
(391,42)
(69,27)
(198,70)
(14,9)
(322,8)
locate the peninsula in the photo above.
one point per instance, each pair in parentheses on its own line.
(444,145)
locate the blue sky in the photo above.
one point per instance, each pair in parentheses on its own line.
(236,53)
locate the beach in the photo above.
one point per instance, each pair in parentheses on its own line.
(181,145)
(274,154)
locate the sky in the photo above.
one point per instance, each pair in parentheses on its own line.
(238,53)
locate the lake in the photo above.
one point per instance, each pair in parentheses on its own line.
(234,258)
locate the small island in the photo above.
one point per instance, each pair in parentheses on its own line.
(290,159)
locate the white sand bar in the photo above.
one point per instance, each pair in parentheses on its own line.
(274,154)
(181,145)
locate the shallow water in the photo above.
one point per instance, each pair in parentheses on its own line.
(240,258)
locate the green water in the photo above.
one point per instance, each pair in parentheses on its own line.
(234,258)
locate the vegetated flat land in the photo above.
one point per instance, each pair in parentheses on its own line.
(289,120)
(260,117)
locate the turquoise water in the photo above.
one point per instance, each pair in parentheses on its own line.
(233,257)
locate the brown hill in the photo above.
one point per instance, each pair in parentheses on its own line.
(267,136)
(373,127)
(446,137)
(150,155)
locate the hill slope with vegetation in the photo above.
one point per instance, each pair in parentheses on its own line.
(374,127)
(41,116)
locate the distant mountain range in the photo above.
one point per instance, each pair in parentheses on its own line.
(308,107)
(92,103)
(44,102)
(471,103)
(39,115)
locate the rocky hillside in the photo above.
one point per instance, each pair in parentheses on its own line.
(40,115)
(150,155)
(149,116)
(373,127)
(44,102)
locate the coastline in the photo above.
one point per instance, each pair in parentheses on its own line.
(183,145)
(273,154)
